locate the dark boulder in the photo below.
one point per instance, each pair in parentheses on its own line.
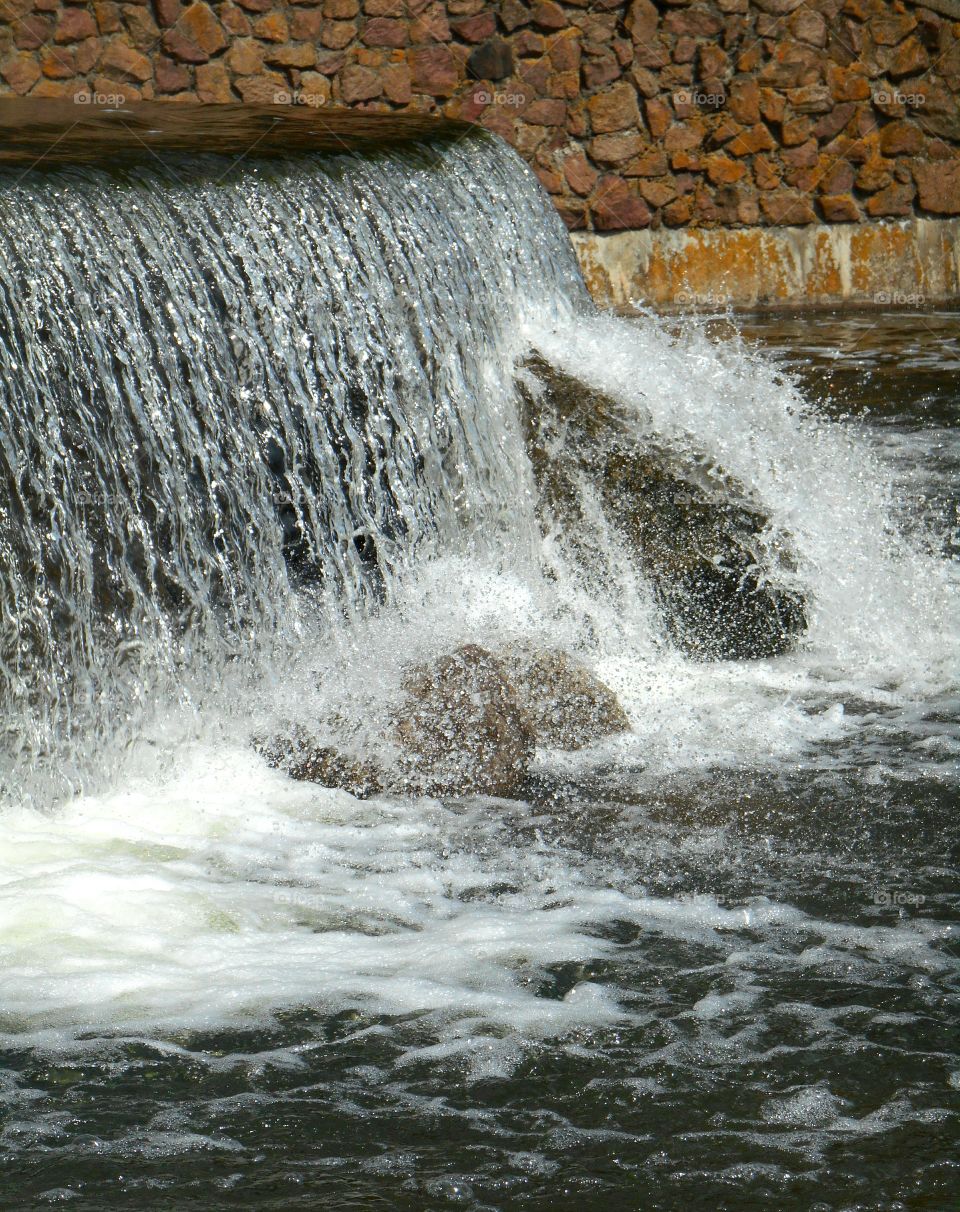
(705,548)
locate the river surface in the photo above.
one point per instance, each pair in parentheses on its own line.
(711,965)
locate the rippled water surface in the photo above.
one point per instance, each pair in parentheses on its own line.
(713,964)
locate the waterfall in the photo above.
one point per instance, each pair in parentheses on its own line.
(225,393)
(262,448)
(243,402)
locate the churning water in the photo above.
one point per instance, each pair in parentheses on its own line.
(261,452)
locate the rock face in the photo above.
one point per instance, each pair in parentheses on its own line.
(696,538)
(463,728)
(468,725)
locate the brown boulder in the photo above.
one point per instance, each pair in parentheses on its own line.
(462,728)
(304,759)
(568,706)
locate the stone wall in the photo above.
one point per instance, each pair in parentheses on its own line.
(711,113)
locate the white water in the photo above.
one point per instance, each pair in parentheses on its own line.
(198,888)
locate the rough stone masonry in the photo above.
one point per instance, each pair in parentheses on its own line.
(679,113)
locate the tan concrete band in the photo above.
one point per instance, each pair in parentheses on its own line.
(910,263)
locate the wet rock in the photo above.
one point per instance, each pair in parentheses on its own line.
(304,759)
(703,546)
(462,728)
(568,706)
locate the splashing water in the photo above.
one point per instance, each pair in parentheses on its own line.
(261,451)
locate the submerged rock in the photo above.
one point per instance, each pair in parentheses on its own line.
(304,759)
(706,550)
(462,728)
(468,724)
(568,705)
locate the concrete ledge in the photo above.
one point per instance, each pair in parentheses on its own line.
(913,262)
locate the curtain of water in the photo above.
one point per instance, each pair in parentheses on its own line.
(218,386)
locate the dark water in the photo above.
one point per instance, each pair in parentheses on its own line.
(777,940)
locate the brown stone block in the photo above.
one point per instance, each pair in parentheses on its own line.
(687,161)
(766,173)
(891,201)
(679,212)
(213,83)
(345,10)
(580,174)
(696,22)
(685,136)
(564,84)
(787,208)
(901,138)
(908,59)
(795,131)
(722,170)
(477,28)
(549,15)
(199,24)
(939,186)
(654,54)
(891,28)
(757,139)
(839,208)
(615,109)
(713,61)
(179,46)
(430,25)
(812,99)
(108,16)
(336,35)
(121,61)
(613,149)
(618,206)
(32,31)
(658,192)
(835,176)
(57,63)
(74,25)
(804,156)
(773,105)
(659,116)
(384,31)
(599,72)
(235,21)
(289,55)
(359,84)
(262,89)
(650,163)
(743,100)
(831,124)
(642,20)
(434,71)
(874,175)
(809,26)
(171,77)
(545,112)
(847,84)
(513,15)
